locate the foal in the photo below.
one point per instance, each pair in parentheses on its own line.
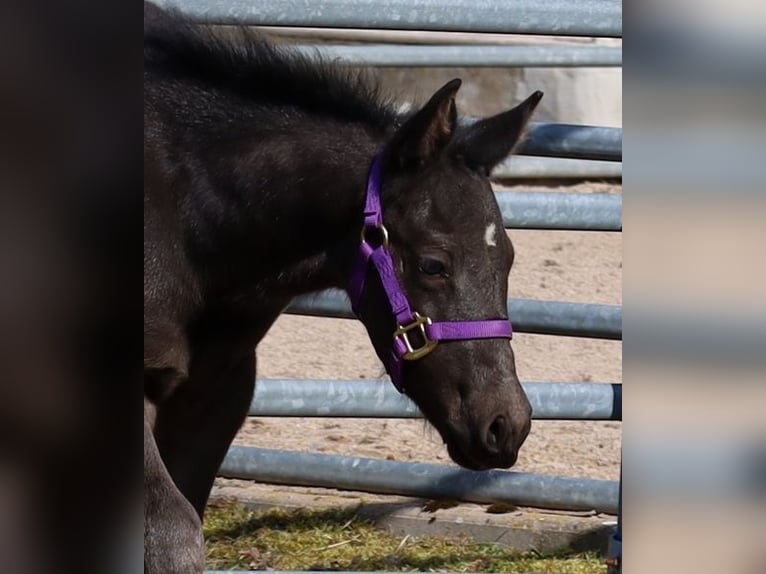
(261,173)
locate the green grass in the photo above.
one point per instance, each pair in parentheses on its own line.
(337,539)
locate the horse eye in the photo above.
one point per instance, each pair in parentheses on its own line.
(432,267)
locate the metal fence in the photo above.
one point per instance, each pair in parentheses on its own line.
(583,401)
(371,399)
(599,18)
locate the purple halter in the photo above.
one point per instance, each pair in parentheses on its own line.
(406,319)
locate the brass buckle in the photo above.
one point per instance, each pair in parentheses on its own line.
(383,232)
(429,345)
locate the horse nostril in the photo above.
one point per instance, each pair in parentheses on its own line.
(496,434)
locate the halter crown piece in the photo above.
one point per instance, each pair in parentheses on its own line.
(409,322)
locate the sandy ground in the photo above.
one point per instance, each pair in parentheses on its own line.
(554,265)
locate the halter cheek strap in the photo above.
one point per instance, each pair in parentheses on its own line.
(408,322)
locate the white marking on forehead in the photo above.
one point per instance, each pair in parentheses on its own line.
(489,235)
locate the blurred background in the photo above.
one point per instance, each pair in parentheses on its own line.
(695,311)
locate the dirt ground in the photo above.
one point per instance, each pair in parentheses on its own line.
(555,265)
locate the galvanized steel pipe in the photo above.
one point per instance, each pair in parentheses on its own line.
(573,211)
(531,167)
(378,399)
(569,141)
(528,315)
(546,17)
(419,480)
(566,319)
(450,56)
(573,141)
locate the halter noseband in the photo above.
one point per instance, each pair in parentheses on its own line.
(407,320)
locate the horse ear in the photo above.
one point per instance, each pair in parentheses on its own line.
(425,134)
(484,144)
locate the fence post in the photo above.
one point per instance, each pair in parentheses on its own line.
(614,552)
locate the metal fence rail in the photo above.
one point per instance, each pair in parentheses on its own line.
(448,56)
(566,319)
(570,141)
(528,315)
(547,17)
(374,399)
(419,480)
(531,167)
(570,211)
(573,141)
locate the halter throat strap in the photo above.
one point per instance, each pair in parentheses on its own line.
(416,335)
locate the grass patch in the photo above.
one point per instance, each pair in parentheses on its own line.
(337,539)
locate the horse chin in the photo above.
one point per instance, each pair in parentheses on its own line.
(466,460)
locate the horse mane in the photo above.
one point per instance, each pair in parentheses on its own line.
(243,63)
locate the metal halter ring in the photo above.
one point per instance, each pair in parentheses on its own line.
(383,231)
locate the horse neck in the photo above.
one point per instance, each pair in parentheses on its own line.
(297,209)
